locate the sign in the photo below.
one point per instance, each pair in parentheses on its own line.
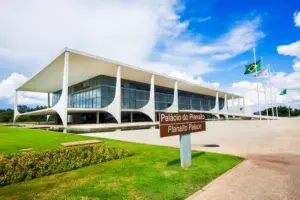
(181,123)
(170,118)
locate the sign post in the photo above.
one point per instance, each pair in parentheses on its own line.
(182,124)
(185,150)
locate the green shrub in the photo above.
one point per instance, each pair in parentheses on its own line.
(29,165)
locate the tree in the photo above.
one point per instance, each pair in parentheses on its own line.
(283,111)
(7,116)
(23,108)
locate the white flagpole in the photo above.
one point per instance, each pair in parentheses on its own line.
(254,55)
(289,112)
(266,103)
(276,102)
(271,92)
(276,106)
(288,106)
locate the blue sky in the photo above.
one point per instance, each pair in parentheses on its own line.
(277,23)
(206,41)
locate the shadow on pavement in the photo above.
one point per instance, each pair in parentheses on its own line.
(211,145)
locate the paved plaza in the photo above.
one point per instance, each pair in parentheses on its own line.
(272,151)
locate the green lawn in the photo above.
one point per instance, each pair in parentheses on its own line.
(14,139)
(153,172)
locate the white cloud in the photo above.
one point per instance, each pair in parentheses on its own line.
(189,77)
(223,56)
(185,64)
(297,18)
(279,81)
(204,19)
(249,91)
(290,81)
(126,31)
(9,85)
(283,80)
(241,38)
(290,50)
(296,65)
(190,55)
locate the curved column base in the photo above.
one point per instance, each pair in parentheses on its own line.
(114,108)
(151,115)
(16,117)
(174,106)
(60,110)
(149,108)
(16,112)
(216,115)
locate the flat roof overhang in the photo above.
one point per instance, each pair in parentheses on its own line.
(83,66)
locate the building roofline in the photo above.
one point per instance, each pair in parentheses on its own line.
(82,53)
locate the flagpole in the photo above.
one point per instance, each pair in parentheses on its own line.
(266,103)
(289,112)
(271,92)
(276,105)
(276,108)
(288,105)
(254,55)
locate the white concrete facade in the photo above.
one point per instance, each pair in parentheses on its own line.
(72,67)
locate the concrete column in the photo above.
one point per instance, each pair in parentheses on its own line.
(65,90)
(217,108)
(115,107)
(232,103)
(16,112)
(131,117)
(239,104)
(232,106)
(225,107)
(244,105)
(97,117)
(62,105)
(48,116)
(174,106)
(48,100)
(225,103)
(149,108)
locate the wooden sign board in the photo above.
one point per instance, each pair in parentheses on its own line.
(181,123)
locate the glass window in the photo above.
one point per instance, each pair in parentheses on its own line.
(98,102)
(105,91)
(134,95)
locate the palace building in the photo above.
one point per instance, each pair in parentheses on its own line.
(84,88)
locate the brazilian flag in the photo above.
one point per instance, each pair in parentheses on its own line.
(253,68)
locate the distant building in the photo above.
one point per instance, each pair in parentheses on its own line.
(90,89)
